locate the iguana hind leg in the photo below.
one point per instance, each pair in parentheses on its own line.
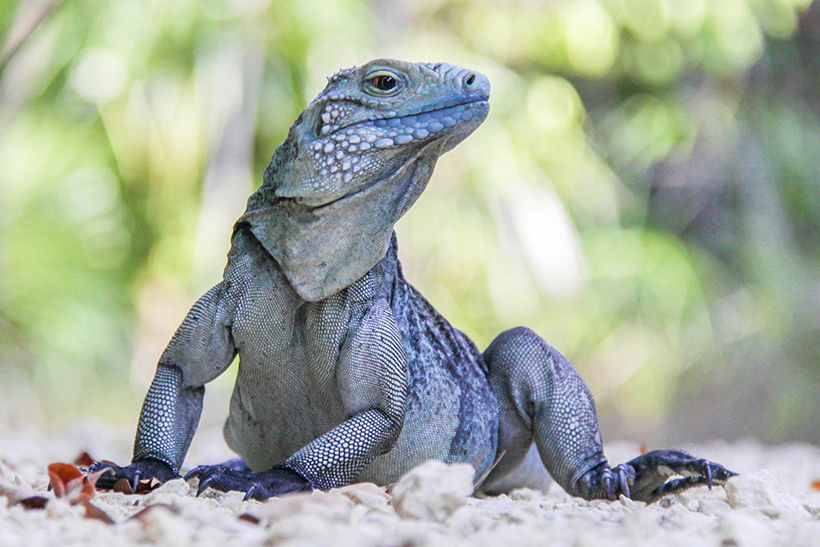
(542,398)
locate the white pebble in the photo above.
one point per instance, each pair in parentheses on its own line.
(433,491)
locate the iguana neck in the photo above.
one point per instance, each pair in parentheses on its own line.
(324,249)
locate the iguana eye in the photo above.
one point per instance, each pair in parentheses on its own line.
(382,83)
(385,82)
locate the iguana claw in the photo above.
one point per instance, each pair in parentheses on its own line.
(135,481)
(203,485)
(623,480)
(606,478)
(251,491)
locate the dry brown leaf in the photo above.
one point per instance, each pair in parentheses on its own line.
(146,485)
(87,488)
(64,477)
(95,513)
(68,482)
(249,518)
(25,496)
(83,460)
(33,502)
(171,508)
(123,486)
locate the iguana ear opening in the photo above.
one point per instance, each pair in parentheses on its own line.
(325,249)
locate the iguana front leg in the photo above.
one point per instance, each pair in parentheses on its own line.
(201,349)
(372,381)
(542,398)
(170,414)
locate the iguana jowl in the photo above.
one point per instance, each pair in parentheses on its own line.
(346,373)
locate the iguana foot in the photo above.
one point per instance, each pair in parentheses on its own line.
(654,475)
(260,486)
(137,471)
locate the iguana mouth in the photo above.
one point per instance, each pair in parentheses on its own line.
(422,115)
(439,108)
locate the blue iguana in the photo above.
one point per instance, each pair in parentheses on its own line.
(346,373)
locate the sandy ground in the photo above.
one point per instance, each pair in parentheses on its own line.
(773,502)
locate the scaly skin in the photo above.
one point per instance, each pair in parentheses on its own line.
(346,372)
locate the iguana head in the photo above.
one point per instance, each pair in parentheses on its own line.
(354,161)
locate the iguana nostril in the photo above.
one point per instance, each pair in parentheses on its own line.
(469,80)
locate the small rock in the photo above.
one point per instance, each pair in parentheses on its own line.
(162,525)
(325,506)
(234,501)
(60,508)
(811,503)
(713,506)
(806,534)
(433,491)
(760,490)
(526,494)
(642,524)
(367,494)
(176,487)
(631,504)
(744,530)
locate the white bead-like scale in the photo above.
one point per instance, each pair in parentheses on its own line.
(337,153)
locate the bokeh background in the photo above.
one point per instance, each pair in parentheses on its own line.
(645,193)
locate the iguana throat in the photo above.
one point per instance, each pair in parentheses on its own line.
(354,162)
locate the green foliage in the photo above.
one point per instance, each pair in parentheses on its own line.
(643,194)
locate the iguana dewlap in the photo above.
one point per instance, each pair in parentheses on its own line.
(346,373)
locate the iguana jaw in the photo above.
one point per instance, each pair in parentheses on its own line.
(429,136)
